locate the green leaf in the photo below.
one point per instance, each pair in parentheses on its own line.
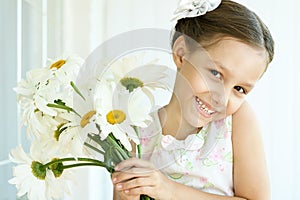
(76,89)
(58,103)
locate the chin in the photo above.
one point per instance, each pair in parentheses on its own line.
(199,123)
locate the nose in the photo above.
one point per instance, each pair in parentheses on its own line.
(219,99)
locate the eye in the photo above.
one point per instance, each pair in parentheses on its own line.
(216,74)
(240,89)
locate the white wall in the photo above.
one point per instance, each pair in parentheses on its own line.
(276,97)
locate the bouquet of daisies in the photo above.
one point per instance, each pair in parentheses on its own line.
(73,123)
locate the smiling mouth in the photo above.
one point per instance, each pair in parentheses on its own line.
(203,107)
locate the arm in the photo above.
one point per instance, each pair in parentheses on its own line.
(250,173)
(143,178)
(250,176)
(250,170)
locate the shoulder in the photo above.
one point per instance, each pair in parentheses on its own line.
(250,171)
(245,117)
(246,130)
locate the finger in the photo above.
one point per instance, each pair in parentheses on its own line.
(133,162)
(132,173)
(134,183)
(145,190)
(122,195)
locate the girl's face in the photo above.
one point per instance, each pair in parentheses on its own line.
(213,83)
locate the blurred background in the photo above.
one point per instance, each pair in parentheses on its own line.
(33,30)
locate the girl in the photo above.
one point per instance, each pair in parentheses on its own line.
(206,143)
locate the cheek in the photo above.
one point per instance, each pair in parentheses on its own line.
(198,84)
(190,81)
(233,105)
(197,81)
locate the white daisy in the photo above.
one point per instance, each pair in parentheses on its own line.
(34,93)
(120,112)
(35,120)
(30,178)
(132,72)
(72,137)
(79,122)
(38,87)
(65,139)
(148,78)
(122,66)
(66,69)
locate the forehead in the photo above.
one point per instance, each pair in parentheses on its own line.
(233,55)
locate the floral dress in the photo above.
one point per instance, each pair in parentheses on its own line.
(203,160)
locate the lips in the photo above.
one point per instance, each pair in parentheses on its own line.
(204,108)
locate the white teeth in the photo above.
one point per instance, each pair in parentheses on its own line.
(210,112)
(203,107)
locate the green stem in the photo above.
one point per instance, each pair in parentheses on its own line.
(94,148)
(89,160)
(117,146)
(145,197)
(138,146)
(119,154)
(139,151)
(82,164)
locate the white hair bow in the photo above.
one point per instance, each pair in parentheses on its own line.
(194,8)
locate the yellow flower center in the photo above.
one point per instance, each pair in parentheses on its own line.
(58,64)
(115,117)
(86,118)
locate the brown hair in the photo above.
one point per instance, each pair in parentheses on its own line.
(230,19)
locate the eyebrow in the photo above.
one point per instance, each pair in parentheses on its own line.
(220,65)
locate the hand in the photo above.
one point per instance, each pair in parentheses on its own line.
(134,177)
(120,195)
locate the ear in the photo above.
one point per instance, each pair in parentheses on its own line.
(179,50)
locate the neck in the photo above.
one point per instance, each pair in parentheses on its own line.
(173,123)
